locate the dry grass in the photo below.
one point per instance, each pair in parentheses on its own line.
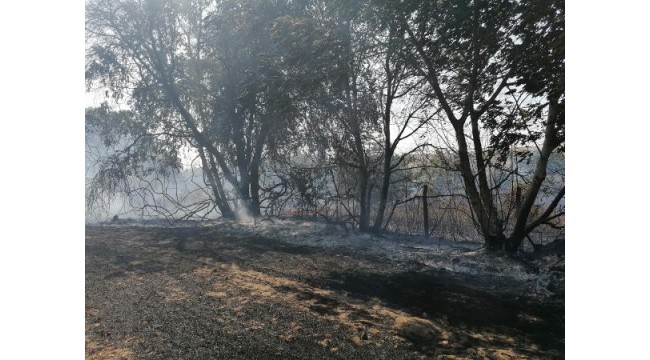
(97,351)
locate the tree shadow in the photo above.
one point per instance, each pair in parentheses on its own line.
(439,295)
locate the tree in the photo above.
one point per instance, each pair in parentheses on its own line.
(538,61)
(237,85)
(203,75)
(397,86)
(466,51)
(342,104)
(359,78)
(127,160)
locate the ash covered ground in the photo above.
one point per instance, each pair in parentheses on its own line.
(293,289)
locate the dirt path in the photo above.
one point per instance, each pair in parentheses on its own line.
(196,293)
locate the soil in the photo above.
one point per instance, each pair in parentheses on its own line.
(205,292)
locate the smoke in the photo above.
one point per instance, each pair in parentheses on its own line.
(241,209)
(242,213)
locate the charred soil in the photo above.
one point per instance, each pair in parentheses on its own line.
(199,292)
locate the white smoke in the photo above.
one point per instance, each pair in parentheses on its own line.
(242,213)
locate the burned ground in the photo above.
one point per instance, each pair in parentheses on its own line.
(201,292)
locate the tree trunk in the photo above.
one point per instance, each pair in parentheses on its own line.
(490,227)
(484,187)
(215,184)
(364,213)
(383,196)
(522,227)
(425,206)
(388,147)
(495,242)
(255,191)
(255,161)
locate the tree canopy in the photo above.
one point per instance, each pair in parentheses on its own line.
(336,103)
